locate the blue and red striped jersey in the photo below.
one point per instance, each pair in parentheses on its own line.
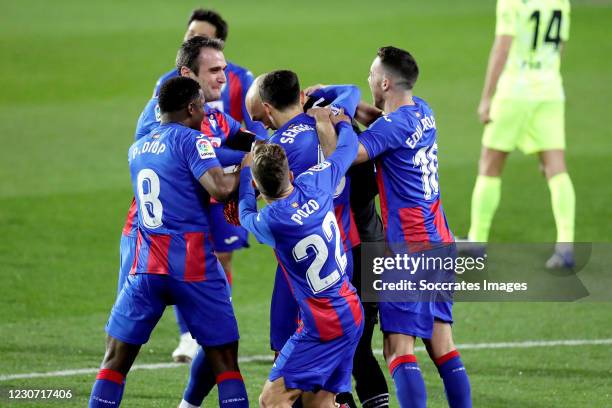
(299,139)
(234,91)
(404,146)
(173,227)
(304,233)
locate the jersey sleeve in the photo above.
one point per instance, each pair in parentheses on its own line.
(229,157)
(253,221)
(346,97)
(198,153)
(327,174)
(251,125)
(148,120)
(380,137)
(506,15)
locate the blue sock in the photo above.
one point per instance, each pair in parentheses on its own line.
(456,380)
(107,391)
(201,380)
(180,321)
(409,384)
(232,392)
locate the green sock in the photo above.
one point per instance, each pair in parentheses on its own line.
(485,199)
(563,199)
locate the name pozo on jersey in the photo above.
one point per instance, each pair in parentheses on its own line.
(427,123)
(205,148)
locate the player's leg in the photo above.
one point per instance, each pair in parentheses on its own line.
(370,382)
(398,350)
(188,347)
(323,399)
(444,354)
(486,194)
(210,317)
(275,395)
(501,135)
(201,381)
(225,258)
(284,312)
(135,313)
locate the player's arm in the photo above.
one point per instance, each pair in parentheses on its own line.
(328,173)
(346,97)
(367,114)
(325,130)
(505,30)
(250,219)
(381,136)
(220,185)
(497,62)
(237,137)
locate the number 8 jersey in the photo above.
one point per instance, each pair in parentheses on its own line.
(403,144)
(173,228)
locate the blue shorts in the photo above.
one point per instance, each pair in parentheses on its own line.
(206,307)
(311,365)
(417,318)
(127,250)
(226,237)
(284,311)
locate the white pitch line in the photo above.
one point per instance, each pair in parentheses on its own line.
(264,358)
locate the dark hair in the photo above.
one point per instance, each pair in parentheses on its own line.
(401,63)
(270,168)
(213,18)
(280,89)
(190,51)
(176,93)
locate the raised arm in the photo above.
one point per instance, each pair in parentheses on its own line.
(497,62)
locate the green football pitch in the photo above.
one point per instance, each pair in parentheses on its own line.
(75,75)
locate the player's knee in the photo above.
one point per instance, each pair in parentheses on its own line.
(268,400)
(491,162)
(552,163)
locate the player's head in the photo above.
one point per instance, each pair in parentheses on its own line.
(280,93)
(271,171)
(254,104)
(181,100)
(202,59)
(206,23)
(393,70)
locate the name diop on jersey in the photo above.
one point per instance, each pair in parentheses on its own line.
(427,123)
(155,147)
(289,135)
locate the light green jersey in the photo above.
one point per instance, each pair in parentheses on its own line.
(539,28)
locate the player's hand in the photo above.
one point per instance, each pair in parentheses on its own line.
(320,114)
(484,109)
(247,160)
(339,116)
(312,89)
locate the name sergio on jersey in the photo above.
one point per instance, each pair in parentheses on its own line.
(155,147)
(427,123)
(306,210)
(288,136)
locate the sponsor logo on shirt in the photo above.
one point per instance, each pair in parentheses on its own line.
(205,149)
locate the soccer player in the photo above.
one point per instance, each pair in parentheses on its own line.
(523,106)
(300,224)
(402,138)
(202,59)
(276,100)
(174,171)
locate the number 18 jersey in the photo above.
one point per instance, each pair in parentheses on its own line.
(404,147)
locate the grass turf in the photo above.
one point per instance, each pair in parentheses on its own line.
(74,77)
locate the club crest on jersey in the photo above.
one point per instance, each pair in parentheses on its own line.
(213,122)
(205,149)
(295,205)
(216,141)
(321,166)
